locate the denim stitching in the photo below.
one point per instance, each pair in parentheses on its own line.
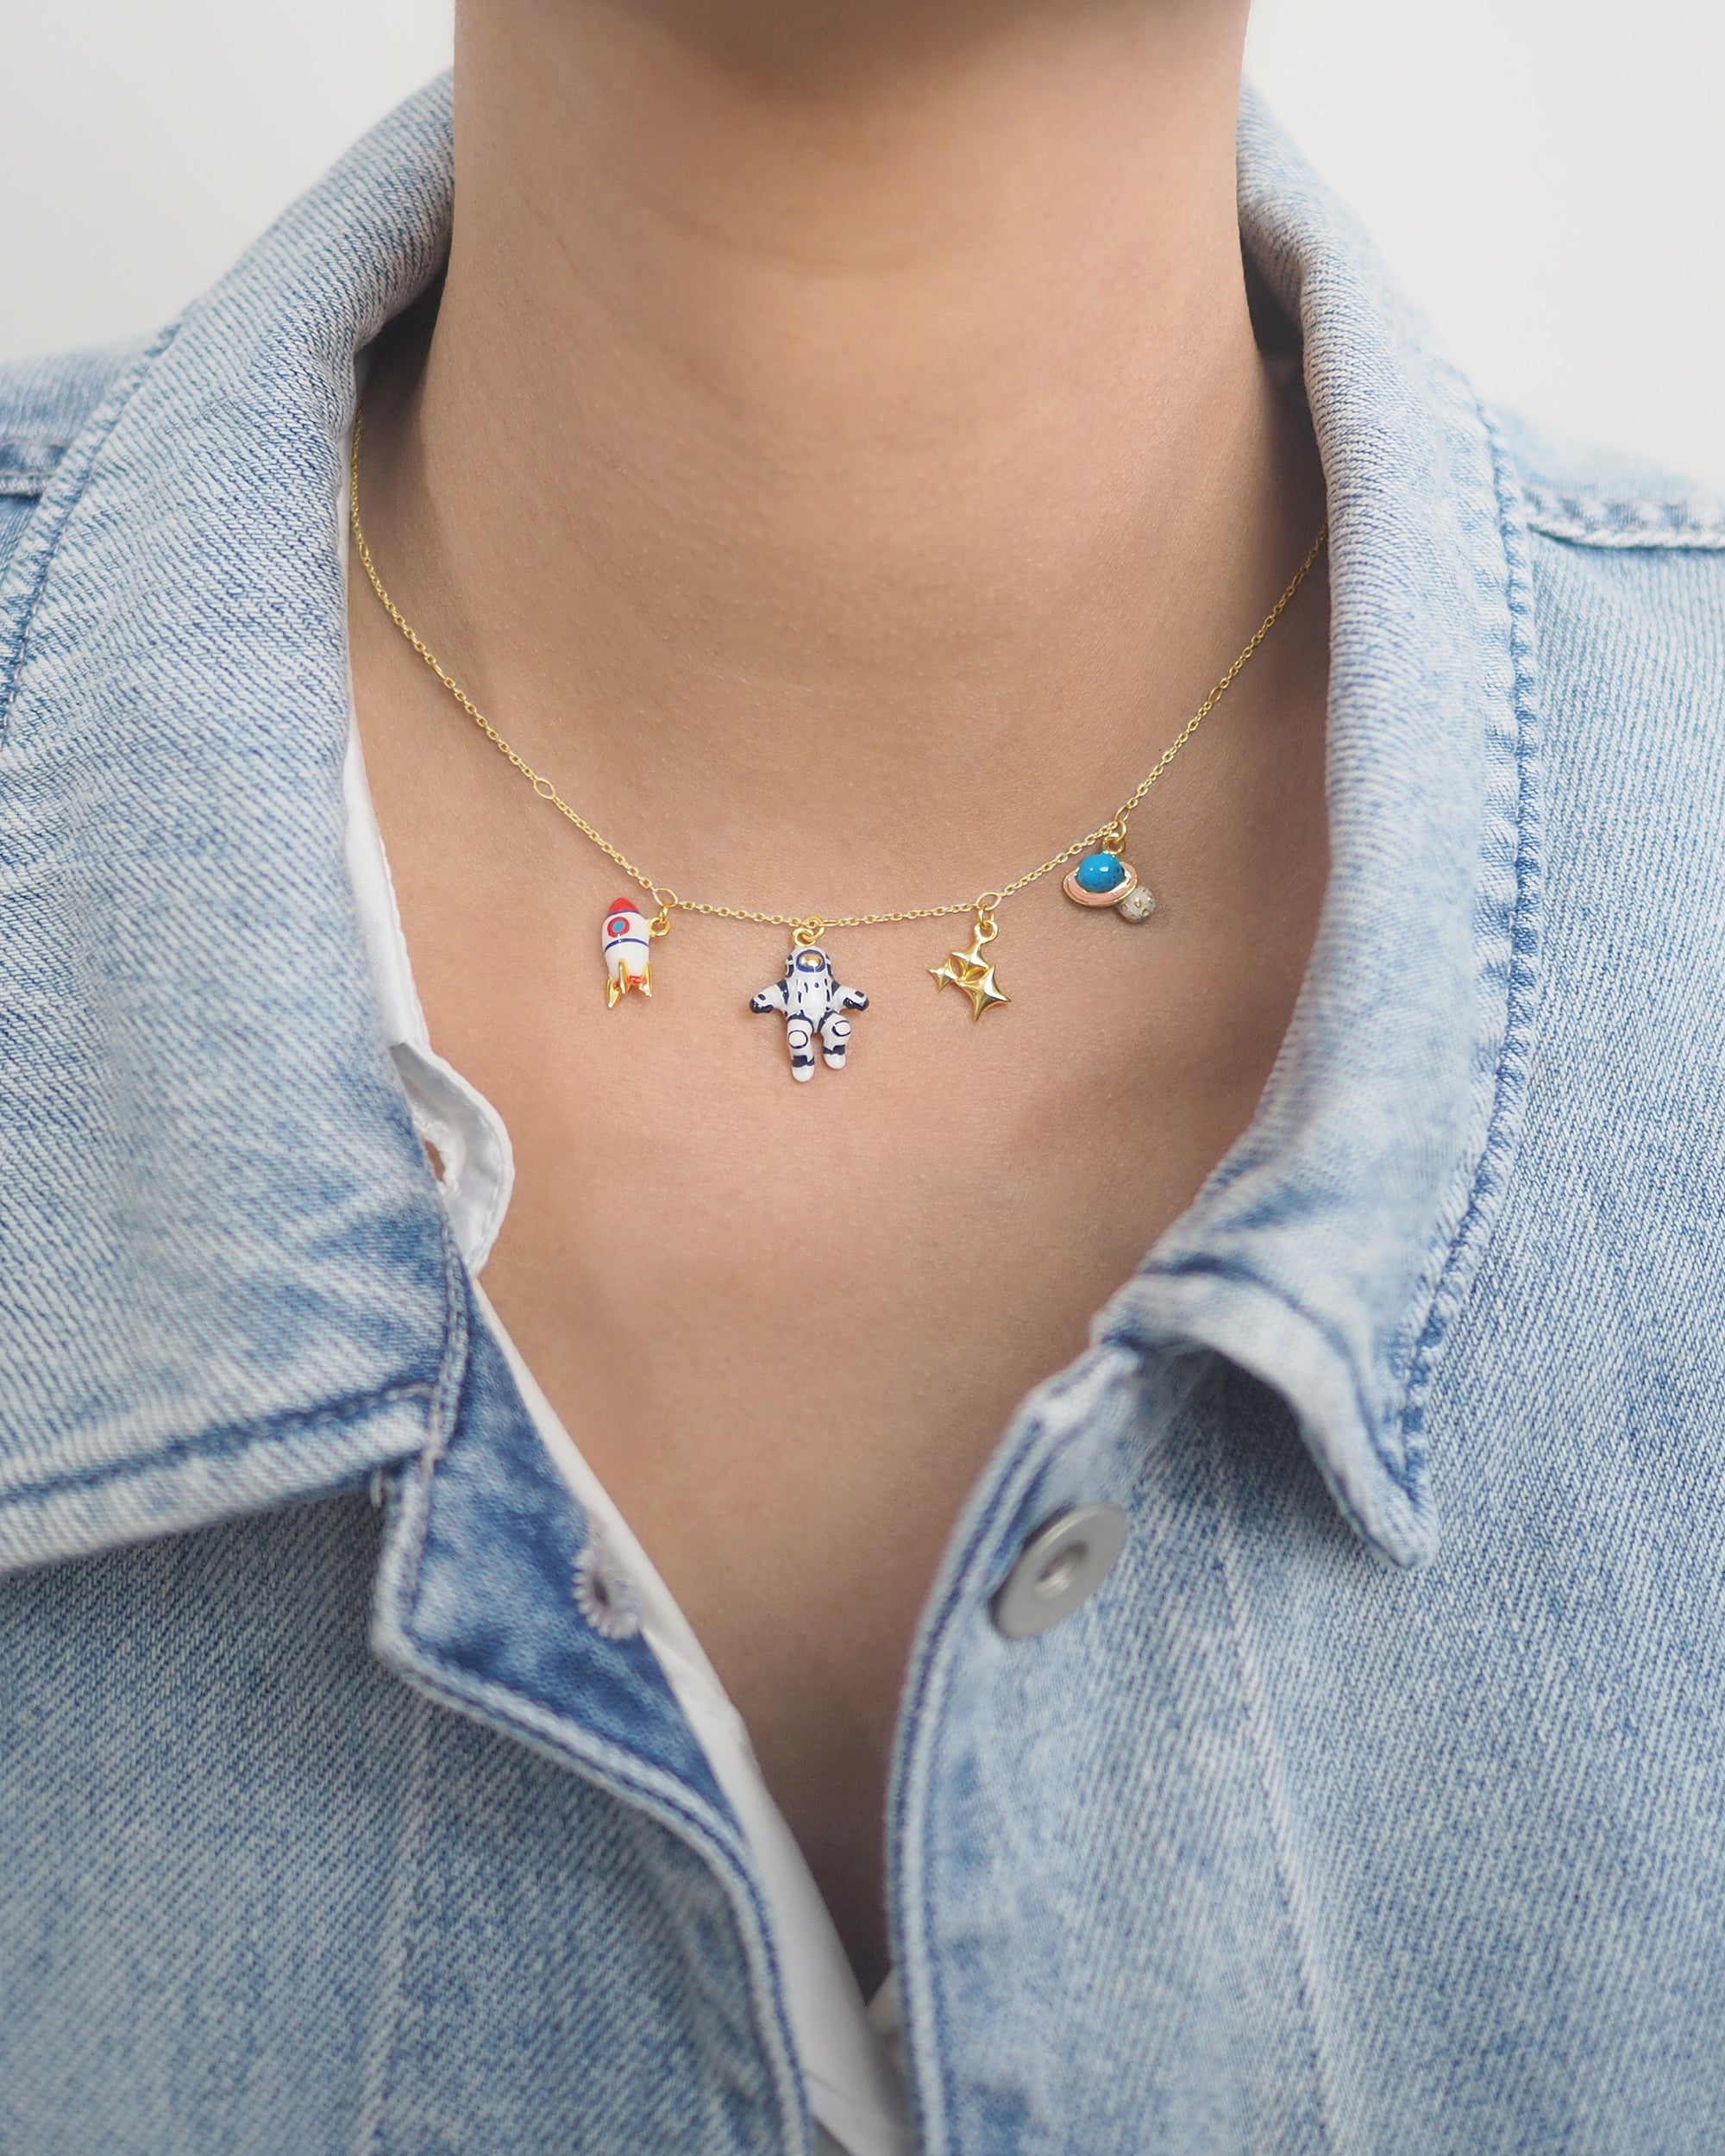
(383,2050)
(1503,1125)
(1247,1671)
(240,1438)
(1587,521)
(454,1368)
(496,1707)
(22,452)
(446,1399)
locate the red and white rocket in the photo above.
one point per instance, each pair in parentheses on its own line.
(626,947)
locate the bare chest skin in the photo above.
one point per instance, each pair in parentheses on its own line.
(787,1324)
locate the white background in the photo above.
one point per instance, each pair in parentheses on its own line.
(1548,176)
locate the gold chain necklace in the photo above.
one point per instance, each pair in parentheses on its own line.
(813,1003)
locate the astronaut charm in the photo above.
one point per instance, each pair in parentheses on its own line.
(814,1005)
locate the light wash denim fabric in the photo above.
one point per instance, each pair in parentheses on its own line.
(1376,1804)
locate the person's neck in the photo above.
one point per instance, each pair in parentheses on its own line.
(842,426)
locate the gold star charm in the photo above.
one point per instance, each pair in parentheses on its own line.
(970,971)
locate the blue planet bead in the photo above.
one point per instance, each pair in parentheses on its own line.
(1099,872)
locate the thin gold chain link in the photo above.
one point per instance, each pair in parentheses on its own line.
(1113,831)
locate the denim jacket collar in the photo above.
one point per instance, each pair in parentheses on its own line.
(237,1287)
(229,1280)
(1333,1247)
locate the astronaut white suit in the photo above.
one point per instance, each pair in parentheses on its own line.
(813,1003)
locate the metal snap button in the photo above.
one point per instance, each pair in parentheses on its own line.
(1061,1565)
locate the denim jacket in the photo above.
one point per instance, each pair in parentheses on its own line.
(1376,1801)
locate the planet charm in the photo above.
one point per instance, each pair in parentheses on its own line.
(1100,879)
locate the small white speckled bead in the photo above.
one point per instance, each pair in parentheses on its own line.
(1138,905)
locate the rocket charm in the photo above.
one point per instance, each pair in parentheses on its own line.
(626,938)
